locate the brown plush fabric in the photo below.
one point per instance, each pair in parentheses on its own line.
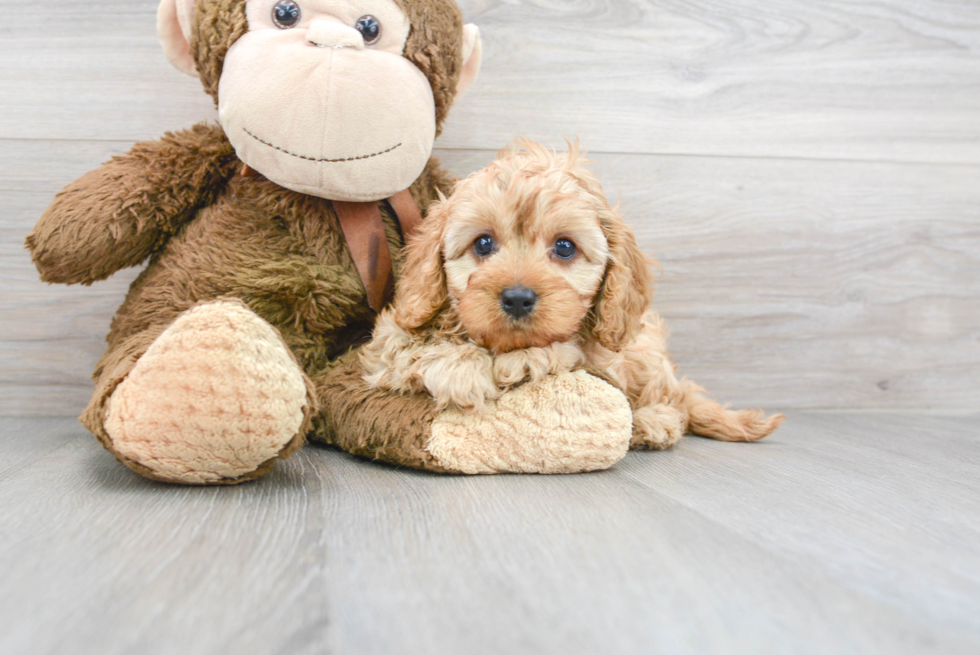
(435,43)
(217,25)
(214,234)
(388,428)
(115,216)
(211,233)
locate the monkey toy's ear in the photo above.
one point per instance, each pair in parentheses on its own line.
(472,57)
(174,22)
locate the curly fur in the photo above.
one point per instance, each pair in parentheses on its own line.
(448,335)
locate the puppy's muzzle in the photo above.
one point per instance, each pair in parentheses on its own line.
(519,301)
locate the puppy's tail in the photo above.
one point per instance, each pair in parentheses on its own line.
(709,419)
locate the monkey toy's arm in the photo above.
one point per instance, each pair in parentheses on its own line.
(120,213)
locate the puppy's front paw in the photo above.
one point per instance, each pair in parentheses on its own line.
(657,427)
(534,364)
(461,377)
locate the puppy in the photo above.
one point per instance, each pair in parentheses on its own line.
(526,271)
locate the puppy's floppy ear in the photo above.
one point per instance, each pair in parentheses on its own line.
(421,290)
(625,293)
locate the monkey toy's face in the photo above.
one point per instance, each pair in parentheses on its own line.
(322,96)
(318,97)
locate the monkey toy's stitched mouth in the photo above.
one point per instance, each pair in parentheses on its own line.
(324,160)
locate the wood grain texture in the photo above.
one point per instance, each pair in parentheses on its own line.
(893,80)
(796,272)
(839,534)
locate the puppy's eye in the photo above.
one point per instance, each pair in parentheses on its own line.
(369,27)
(483,246)
(286,14)
(565,249)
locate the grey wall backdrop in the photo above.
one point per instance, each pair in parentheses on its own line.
(808,174)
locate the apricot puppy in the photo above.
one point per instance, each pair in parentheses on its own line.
(526,271)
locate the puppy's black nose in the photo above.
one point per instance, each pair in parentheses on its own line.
(518,301)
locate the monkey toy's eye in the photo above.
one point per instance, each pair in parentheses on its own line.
(286,14)
(370,29)
(565,249)
(483,246)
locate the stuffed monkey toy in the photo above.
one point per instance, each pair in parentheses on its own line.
(272,242)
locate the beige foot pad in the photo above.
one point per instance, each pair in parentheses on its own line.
(569,423)
(213,398)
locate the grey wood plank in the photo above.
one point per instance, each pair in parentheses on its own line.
(18,399)
(96,72)
(851,498)
(848,80)
(97,560)
(25,441)
(893,80)
(785,283)
(810,542)
(814,284)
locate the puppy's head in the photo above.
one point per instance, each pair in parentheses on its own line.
(527,252)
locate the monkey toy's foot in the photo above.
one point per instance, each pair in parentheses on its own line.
(568,423)
(216,399)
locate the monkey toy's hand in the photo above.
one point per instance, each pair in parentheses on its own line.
(119,214)
(568,423)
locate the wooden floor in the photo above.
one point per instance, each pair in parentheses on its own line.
(843,533)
